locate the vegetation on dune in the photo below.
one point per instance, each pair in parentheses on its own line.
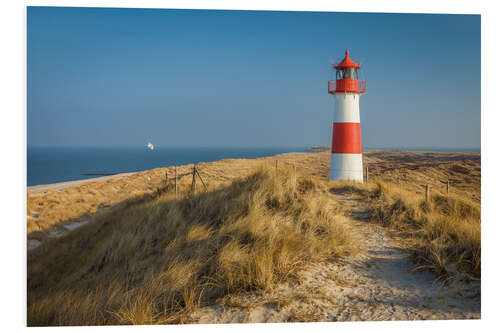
(443,234)
(80,202)
(154,258)
(50,210)
(156,261)
(412,170)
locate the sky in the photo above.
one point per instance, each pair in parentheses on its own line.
(109,77)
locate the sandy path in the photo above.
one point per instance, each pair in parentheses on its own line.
(377,284)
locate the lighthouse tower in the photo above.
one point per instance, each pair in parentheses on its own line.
(346,162)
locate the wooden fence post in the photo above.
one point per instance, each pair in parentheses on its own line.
(204,185)
(277,164)
(448,187)
(175,182)
(366,173)
(193,184)
(427,192)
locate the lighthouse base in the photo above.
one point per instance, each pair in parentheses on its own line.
(346,167)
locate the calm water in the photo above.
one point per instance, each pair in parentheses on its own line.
(52,165)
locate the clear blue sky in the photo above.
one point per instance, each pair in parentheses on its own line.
(122,77)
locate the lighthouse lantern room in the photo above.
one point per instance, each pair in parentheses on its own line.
(346,161)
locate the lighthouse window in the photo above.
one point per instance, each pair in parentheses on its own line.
(347,73)
(350,73)
(340,74)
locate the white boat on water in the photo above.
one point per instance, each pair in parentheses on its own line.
(150,146)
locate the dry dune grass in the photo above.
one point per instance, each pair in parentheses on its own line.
(49,209)
(409,169)
(156,261)
(443,234)
(153,258)
(78,202)
(413,169)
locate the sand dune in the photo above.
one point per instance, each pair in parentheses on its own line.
(69,202)
(135,246)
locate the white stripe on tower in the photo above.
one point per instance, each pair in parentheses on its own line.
(346,108)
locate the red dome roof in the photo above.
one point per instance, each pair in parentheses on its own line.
(347,62)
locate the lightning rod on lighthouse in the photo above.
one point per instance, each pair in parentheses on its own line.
(346,161)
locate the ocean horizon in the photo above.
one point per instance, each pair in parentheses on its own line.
(48,165)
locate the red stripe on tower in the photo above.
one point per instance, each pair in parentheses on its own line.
(346,138)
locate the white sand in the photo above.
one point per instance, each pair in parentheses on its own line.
(33,244)
(56,233)
(75,225)
(59,232)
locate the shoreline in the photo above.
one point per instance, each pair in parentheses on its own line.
(71,183)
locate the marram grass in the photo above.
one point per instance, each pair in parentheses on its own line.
(442,234)
(156,261)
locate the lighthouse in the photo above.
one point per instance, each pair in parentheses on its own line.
(346,161)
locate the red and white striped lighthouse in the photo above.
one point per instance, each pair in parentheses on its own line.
(346,161)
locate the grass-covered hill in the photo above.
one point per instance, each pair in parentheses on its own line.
(153,257)
(153,262)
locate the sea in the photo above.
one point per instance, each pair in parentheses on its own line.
(53,165)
